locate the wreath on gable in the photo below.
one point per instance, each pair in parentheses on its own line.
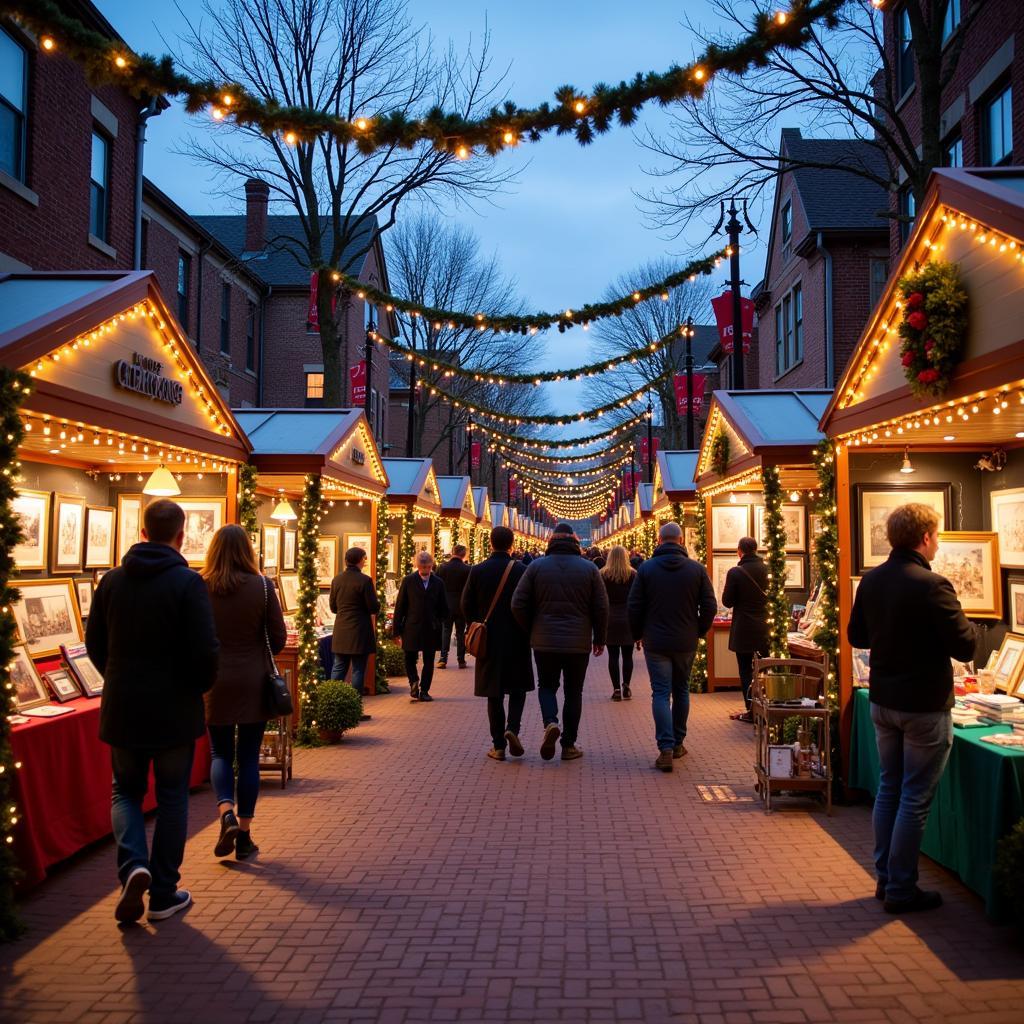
(720,453)
(933,327)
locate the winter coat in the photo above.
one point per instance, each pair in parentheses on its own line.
(618,620)
(506,668)
(419,612)
(151,636)
(454,574)
(746,593)
(354,601)
(239,695)
(561,600)
(911,621)
(672,603)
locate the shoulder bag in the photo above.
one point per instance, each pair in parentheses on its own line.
(476,632)
(277,696)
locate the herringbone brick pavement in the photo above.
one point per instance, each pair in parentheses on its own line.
(404,877)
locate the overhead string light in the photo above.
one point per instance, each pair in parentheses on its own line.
(543,444)
(511,452)
(541,471)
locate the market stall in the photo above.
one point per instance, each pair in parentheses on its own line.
(120,412)
(646,529)
(458,513)
(481,546)
(414,508)
(674,497)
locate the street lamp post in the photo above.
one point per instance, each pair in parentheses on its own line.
(650,440)
(368,363)
(689,384)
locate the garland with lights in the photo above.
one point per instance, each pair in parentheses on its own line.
(437,540)
(107,61)
(677,514)
(565,460)
(544,444)
(407,546)
(524,469)
(649,534)
(720,453)
(826,557)
(775,560)
(247,499)
(380,672)
(310,672)
(14,387)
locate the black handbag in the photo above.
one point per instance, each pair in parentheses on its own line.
(277,695)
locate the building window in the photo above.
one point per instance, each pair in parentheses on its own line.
(879,271)
(953,152)
(787,223)
(373,411)
(250,336)
(13,105)
(368,316)
(184,284)
(225,318)
(789,331)
(144,242)
(99,187)
(908,210)
(314,388)
(904,53)
(780,342)
(798,324)
(950,19)
(997,129)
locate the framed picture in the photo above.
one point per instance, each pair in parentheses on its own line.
(393,549)
(86,674)
(876,502)
(1015,595)
(83,591)
(795,574)
(729,524)
(793,522)
(1008,521)
(327,558)
(203,518)
(422,542)
(129,522)
(817,525)
(289,584)
(288,545)
(62,685)
(358,540)
(445,540)
(970,561)
(33,511)
(720,566)
(1008,666)
(861,666)
(323,608)
(47,616)
(99,537)
(690,540)
(68,540)
(29,689)
(271,547)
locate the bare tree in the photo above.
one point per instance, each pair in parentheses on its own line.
(347,58)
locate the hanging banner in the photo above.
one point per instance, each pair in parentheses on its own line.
(513,490)
(313,314)
(644,455)
(627,484)
(679,383)
(357,384)
(723,315)
(474,454)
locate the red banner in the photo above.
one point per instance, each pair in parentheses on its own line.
(679,383)
(357,384)
(723,315)
(643,451)
(313,314)
(474,454)
(513,490)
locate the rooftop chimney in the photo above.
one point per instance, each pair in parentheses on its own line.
(257,193)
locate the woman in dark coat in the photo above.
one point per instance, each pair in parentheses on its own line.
(506,668)
(746,593)
(618,576)
(247,616)
(354,603)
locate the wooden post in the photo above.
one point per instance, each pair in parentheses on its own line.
(231,507)
(844,517)
(370,678)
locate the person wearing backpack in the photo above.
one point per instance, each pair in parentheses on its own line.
(746,593)
(503,667)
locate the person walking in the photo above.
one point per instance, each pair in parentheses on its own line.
(561,602)
(453,575)
(354,603)
(248,619)
(151,635)
(746,593)
(618,576)
(910,620)
(504,670)
(671,606)
(420,608)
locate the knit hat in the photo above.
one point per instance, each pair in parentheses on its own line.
(564,528)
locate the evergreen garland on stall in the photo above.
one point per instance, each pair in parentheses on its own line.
(380,581)
(456,532)
(775,560)
(826,557)
(310,672)
(247,499)
(14,386)
(699,672)
(438,553)
(677,513)
(720,453)
(408,545)
(650,537)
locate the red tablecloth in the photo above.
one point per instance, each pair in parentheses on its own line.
(63,786)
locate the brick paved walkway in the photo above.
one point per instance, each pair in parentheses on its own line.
(404,877)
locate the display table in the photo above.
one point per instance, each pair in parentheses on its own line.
(979,798)
(63,786)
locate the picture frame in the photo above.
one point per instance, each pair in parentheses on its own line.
(289,543)
(794,521)
(795,578)
(204,516)
(729,525)
(358,540)
(62,685)
(720,566)
(861,666)
(690,540)
(288,584)
(445,539)
(816,525)
(422,542)
(1015,600)
(323,608)
(67,539)
(271,547)
(46,615)
(970,561)
(83,594)
(100,536)
(1007,508)
(33,511)
(1008,666)
(86,674)
(327,558)
(875,502)
(393,548)
(129,523)
(29,689)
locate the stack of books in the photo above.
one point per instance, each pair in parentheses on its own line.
(996,708)
(965,716)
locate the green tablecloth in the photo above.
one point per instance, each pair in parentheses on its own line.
(979,799)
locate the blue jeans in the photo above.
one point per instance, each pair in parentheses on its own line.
(670,695)
(358,662)
(222,767)
(913,747)
(172,768)
(553,666)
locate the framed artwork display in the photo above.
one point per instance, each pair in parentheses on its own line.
(445,540)
(68,540)
(323,608)
(1008,521)
(47,616)
(86,674)
(794,522)
(690,540)
(970,561)
(422,542)
(271,547)
(129,522)
(729,525)
(358,540)
(861,666)
(876,502)
(795,574)
(62,685)
(327,558)
(393,549)
(29,689)
(84,591)
(99,537)
(720,566)
(33,511)
(203,518)
(1008,666)
(817,525)
(289,584)
(288,544)
(1015,595)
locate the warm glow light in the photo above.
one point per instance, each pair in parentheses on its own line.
(579,106)
(462,152)
(291,138)
(699,74)
(283,511)
(120,62)
(48,43)
(362,124)
(908,466)
(161,483)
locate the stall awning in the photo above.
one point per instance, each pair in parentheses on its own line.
(457,498)
(644,502)
(482,506)
(674,476)
(499,515)
(413,482)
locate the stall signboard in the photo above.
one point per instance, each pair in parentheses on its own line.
(723,316)
(679,383)
(357,382)
(145,376)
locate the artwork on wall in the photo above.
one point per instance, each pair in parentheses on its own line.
(720,566)
(203,518)
(876,502)
(445,535)
(99,537)
(817,525)
(393,549)
(47,616)
(795,573)
(793,522)
(970,561)
(1015,593)
(271,547)
(327,558)
(690,539)
(1008,521)
(129,522)
(358,540)
(83,591)
(289,584)
(422,542)
(729,524)
(323,609)
(288,545)
(86,674)
(68,540)
(29,689)
(1008,666)
(33,511)
(62,685)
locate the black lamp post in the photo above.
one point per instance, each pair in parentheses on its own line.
(650,440)
(689,384)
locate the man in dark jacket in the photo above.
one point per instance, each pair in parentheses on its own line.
(151,634)
(420,608)
(505,668)
(454,574)
(354,603)
(746,593)
(561,602)
(671,606)
(912,623)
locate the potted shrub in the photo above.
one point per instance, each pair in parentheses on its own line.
(338,709)
(392,657)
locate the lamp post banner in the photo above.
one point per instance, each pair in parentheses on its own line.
(679,383)
(723,316)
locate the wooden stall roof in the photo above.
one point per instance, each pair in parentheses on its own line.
(499,515)
(674,473)
(644,502)
(482,505)
(457,498)
(413,482)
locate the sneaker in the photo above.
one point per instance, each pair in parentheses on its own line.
(679,751)
(495,754)
(616,695)
(160,910)
(442,664)
(425,698)
(130,906)
(515,746)
(414,692)
(571,753)
(664,762)
(244,846)
(228,831)
(547,747)
(921,900)
(627,693)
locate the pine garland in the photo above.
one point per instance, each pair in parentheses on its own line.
(437,540)
(565,460)
(650,537)
(14,387)
(408,545)
(456,532)
(699,672)
(310,672)
(775,533)
(380,580)
(543,444)
(826,556)
(247,499)
(720,453)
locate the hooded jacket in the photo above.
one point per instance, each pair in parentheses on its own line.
(151,635)
(672,603)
